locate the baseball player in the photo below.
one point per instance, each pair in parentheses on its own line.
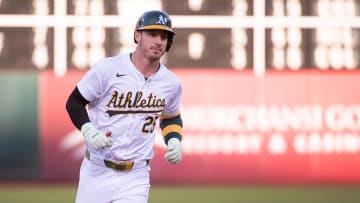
(116,106)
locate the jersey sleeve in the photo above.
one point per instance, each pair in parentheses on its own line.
(91,85)
(173,106)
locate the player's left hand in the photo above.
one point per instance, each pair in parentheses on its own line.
(173,154)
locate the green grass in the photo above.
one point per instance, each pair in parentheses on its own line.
(191,194)
(29,193)
(261,194)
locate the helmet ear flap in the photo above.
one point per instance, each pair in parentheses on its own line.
(134,37)
(169,41)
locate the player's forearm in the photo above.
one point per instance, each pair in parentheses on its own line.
(171,127)
(75,106)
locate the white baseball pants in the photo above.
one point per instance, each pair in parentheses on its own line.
(99,184)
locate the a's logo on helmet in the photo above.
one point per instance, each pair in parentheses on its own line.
(162,20)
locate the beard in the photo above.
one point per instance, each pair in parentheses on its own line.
(153,54)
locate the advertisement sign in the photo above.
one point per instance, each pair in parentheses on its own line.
(287,127)
(62,146)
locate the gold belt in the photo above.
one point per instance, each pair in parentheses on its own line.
(119,166)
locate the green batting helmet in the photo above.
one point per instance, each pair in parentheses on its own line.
(156,20)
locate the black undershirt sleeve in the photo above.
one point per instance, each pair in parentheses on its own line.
(76,108)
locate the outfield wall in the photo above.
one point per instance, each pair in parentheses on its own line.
(288,127)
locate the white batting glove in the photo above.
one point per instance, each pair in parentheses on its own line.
(94,137)
(173,154)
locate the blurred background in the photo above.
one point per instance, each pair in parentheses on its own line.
(269,88)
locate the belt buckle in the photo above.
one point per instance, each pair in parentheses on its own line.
(120,166)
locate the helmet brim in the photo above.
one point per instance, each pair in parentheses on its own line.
(156,27)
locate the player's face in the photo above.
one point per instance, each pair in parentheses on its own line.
(153,43)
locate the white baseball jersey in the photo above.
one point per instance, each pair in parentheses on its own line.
(127,105)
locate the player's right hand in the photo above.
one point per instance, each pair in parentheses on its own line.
(94,137)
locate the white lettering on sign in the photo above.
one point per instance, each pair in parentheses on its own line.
(225,144)
(341,117)
(253,118)
(247,129)
(277,144)
(328,143)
